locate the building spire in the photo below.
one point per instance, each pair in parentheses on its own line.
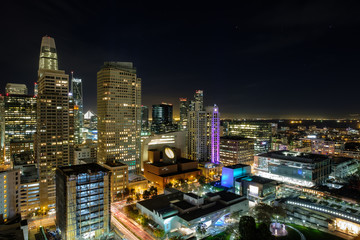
(48,54)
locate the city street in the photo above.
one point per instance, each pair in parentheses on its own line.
(45,221)
(133,226)
(127,234)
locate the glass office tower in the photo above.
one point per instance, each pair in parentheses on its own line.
(82,201)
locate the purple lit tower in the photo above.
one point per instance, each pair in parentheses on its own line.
(213,133)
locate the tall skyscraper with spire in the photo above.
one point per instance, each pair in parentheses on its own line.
(48,55)
(54,140)
(119,114)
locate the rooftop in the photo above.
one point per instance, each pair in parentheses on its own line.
(183,205)
(193,195)
(161,201)
(180,172)
(228,196)
(295,156)
(339,160)
(200,212)
(162,204)
(82,168)
(135,178)
(161,164)
(235,166)
(184,160)
(125,66)
(115,164)
(237,138)
(257,179)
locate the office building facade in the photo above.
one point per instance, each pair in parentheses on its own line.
(54,143)
(298,168)
(82,201)
(235,150)
(198,104)
(162,118)
(260,131)
(144,120)
(9,194)
(119,179)
(19,116)
(184,109)
(196,137)
(119,114)
(213,133)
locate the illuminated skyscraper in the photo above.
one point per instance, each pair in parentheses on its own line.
(196,137)
(54,143)
(48,54)
(184,109)
(162,118)
(203,131)
(19,116)
(199,100)
(77,95)
(144,120)
(119,114)
(213,133)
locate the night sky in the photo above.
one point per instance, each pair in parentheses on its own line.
(251,58)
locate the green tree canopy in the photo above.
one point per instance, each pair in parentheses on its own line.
(247,228)
(263,232)
(159,233)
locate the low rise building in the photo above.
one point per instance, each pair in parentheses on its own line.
(211,170)
(256,189)
(29,183)
(29,198)
(325,216)
(85,153)
(298,168)
(173,139)
(235,150)
(342,167)
(231,173)
(177,210)
(166,165)
(119,175)
(138,183)
(9,194)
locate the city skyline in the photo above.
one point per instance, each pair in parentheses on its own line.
(167,121)
(260,55)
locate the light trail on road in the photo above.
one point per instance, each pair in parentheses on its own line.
(128,234)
